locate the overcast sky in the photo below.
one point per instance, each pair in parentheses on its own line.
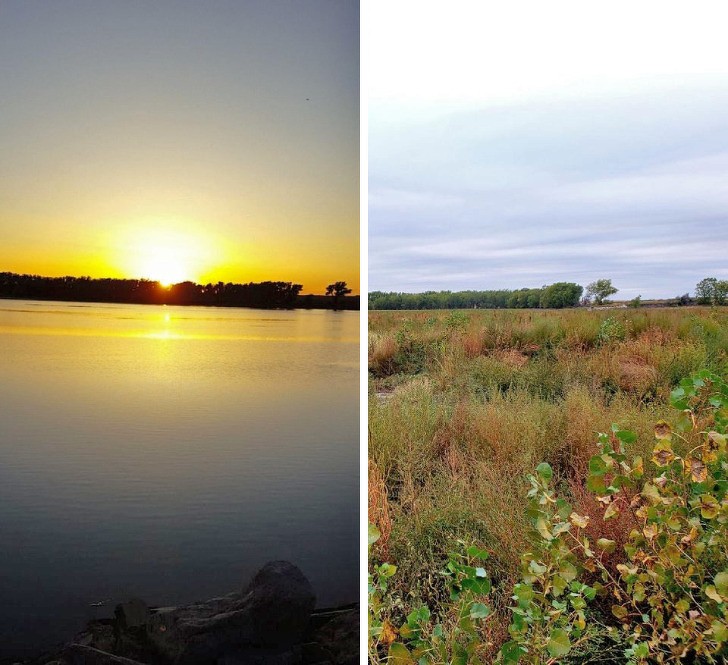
(526,144)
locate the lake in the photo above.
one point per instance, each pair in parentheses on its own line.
(168,453)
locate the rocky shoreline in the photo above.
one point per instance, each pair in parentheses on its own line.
(271,622)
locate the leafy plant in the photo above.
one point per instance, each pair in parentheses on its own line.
(671,597)
(458,639)
(611,330)
(549,613)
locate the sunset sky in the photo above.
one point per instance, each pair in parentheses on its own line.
(517,144)
(181,140)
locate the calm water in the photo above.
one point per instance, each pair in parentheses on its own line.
(168,453)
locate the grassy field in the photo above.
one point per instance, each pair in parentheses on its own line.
(463,405)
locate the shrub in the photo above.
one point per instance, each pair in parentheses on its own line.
(611,330)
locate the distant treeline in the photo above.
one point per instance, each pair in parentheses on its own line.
(268,295)
(561,294)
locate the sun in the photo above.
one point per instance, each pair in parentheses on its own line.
(165,252)
(167,267)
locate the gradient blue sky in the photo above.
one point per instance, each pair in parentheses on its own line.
(181,139)
(526,144)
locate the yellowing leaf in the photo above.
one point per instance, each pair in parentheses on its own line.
(607,545)
(698,471)
(686,540)
(663,430)
(650,531)
(619,611)
(718,440)
(611,511)
(579,520)
(389,633)
(543,529)
(713,594)
(662,454)
(399,655)
(709,506)
(651,493)
(638,469)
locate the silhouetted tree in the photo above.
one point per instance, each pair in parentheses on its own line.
(146,292)
(337,289)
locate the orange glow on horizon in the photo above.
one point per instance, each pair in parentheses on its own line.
(172,250)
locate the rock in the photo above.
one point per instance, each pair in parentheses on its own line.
(265,621)
(280,600)
(336,640)
(132,614)
(266,624)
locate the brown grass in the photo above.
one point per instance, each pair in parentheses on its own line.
(511,357)
(382,351)
(379,513)
(472,343)
(474,411)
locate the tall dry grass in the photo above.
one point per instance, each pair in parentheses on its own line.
(475,402)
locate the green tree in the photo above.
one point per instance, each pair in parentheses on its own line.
(711,291)
(600,290)
(561,294)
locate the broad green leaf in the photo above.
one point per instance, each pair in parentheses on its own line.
(511,652)
(545,471)
(596,484)
(479,611)
(558,644)
(479,585)
(720,631)
(597,466)
(374,534)
(641,650)
(477,553)
(558,584)
(626,436)
(721,583)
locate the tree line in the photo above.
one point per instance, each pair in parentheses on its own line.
(267,295)
(558,295)
(709,291)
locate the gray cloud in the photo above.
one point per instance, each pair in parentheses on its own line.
(634,188)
